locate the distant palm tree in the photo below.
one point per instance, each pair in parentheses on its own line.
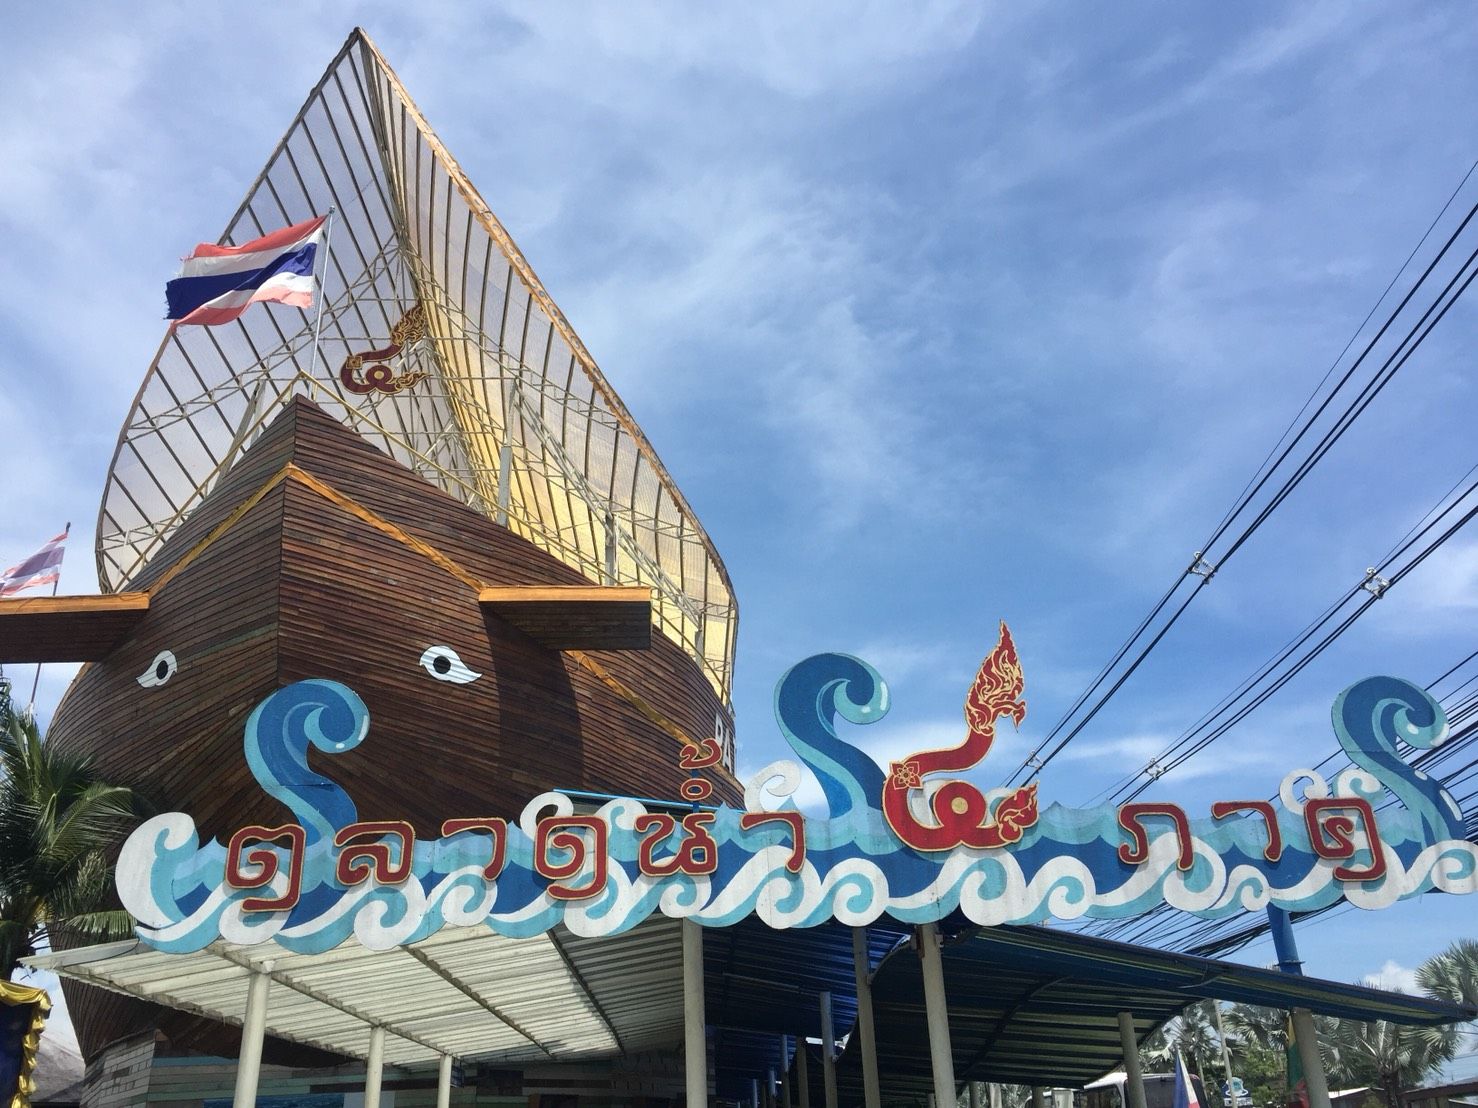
(1453,974)
(1388,1057)
(1192,1035)
(1262,1027)
(58,826)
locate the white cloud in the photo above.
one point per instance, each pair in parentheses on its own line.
(1393,977)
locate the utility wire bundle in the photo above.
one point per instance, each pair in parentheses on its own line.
(1324,419)
(1450,515)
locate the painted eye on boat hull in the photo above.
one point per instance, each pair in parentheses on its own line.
(443,664)
(161,669)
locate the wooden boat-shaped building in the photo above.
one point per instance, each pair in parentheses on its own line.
(448,509)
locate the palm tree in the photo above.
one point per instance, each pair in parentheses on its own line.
(1386,1056)
(1453,974)
(1192,1034)
(58,827)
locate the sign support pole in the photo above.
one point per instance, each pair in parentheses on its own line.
(1226,1054)
(802,1077)
(872,1096)
(1284,945)
(374,1067)
(785,1071)
(695,1029)
(253,1028)
(444,1082)
(1307,1040)
(936,1007)
(828,1056)
(1133,1074)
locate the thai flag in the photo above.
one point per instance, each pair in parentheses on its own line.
(1185,1089)
(42,568)
(218,283)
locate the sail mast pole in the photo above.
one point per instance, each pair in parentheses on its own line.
(328,253)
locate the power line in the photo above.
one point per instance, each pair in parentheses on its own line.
(1206,562)
(1287,663)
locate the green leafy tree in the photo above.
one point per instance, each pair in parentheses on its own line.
(59,825)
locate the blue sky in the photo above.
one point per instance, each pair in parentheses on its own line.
(939,314)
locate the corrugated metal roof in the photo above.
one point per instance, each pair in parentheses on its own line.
(1028,1005)
(1034,1006)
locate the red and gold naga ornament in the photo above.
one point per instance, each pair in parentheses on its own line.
(961,814)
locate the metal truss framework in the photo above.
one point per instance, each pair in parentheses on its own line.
(512,417)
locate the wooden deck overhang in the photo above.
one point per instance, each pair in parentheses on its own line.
(575,617)
(67,628)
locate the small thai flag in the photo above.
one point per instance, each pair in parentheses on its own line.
(218,283)
(1185,1089)
(42,568)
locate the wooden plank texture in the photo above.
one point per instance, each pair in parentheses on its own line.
(67,628)
(351,571)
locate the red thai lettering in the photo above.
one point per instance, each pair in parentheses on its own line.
(1332,835)
(797,860)
(496,826)
(359,861)
(1137,850)
(695,789)
(1220,809)
(960,813)
(696,854)
(561,834)
(701,755)
(267,865)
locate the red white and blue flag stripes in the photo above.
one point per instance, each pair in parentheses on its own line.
(1185,1088)
(218,283)
(41,568)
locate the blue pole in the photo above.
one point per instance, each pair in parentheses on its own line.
(1281,927)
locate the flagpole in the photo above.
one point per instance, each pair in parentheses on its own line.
(55,585)
(328,253)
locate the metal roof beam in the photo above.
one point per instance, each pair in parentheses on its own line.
(288,982)
(461,986)
(579,977)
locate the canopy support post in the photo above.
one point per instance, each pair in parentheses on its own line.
(1039,1097)
(872,1096)
(802,1077)
(936,1007)
(253,1028)
(374,1067)
(785,1071)
(444,1082)
(1134,1076)
(1307,1039)
(973,1087)
(695,1029)
(828,1053)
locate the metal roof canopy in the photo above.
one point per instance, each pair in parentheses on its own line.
(1035,1006)
(1027,1005)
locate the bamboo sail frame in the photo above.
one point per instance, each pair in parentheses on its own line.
(504,370)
